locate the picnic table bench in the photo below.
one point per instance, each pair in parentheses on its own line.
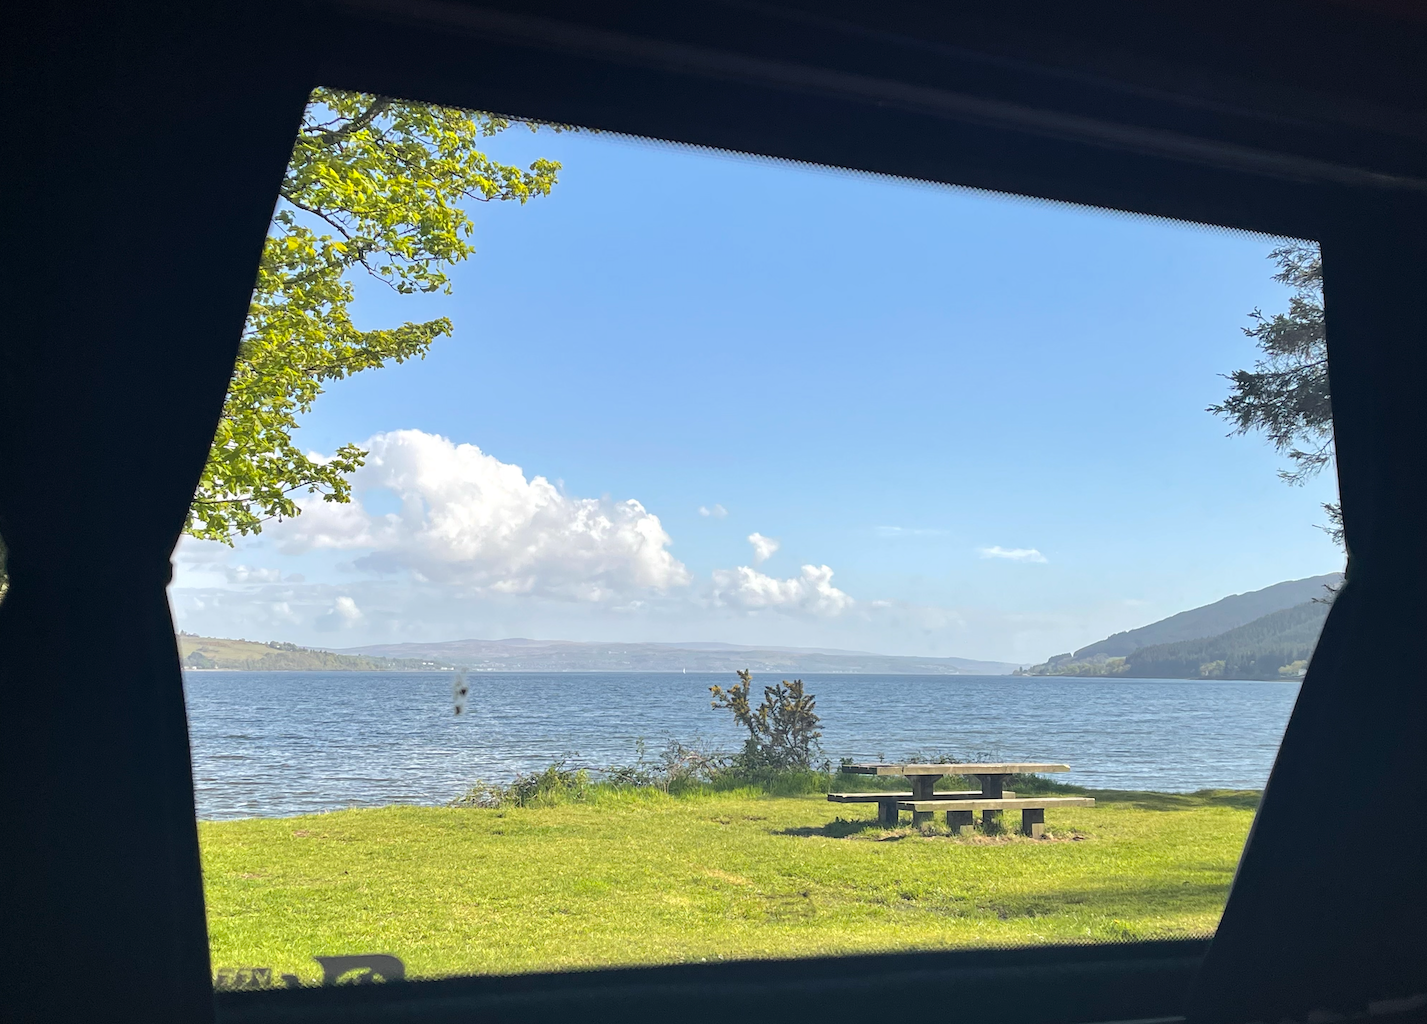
(960,805)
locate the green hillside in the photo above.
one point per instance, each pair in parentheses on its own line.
(1275,646)
(1211,619)
(201,652)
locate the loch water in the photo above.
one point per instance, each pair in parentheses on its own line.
(282,743)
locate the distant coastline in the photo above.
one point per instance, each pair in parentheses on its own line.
(535,656)
(1263,634)
(523,655)
(211,654)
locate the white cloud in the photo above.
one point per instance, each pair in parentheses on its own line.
(344,613)
(763,547)
(247,574)
(469,519)
(1013,554)
(401,609)
(718,511)
(810,592)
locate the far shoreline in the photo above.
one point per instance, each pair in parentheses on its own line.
(1295,681)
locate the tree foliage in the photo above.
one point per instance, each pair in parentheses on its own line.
(783,730)
(1257,650)
(1286,394)
(375,186)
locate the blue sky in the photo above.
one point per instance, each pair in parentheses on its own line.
(983,416)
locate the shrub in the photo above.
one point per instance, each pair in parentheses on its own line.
(557,784)
(677,768)
(777,758)
(783,730)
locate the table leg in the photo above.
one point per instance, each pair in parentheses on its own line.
(993,787)
(923,788)
(887,813)
(1033,822)
(961,823)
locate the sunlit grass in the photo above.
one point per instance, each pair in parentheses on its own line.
(641,878)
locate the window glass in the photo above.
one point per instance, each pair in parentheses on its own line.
(541,436)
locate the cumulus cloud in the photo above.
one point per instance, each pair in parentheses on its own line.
(1013,554)
(469,519)
(763,547)
(811,592)
(718,511)
(343,613)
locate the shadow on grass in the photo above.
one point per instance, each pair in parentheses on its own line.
(1238,799)
(1115,900)
(838,828)
(871,829)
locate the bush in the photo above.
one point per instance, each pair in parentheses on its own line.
(676,769)
(557,784)
(783,731)
(681,768)
(777,758)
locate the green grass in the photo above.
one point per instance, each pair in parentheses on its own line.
(639,878)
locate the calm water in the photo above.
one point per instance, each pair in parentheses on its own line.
(274,743)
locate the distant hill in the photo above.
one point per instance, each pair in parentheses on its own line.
(519,655)
(199,652)
(1211,619)
(1276,646)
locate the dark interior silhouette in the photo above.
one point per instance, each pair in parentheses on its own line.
(145,147)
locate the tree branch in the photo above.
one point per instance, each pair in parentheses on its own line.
(316,212)
(379,106)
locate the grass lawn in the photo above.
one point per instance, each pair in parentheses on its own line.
(643,878)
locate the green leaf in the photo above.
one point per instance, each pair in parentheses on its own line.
(375,186)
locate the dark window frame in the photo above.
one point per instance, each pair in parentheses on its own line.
(1288,118)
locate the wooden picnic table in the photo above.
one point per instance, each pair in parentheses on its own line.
(923,777)
(991,799)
